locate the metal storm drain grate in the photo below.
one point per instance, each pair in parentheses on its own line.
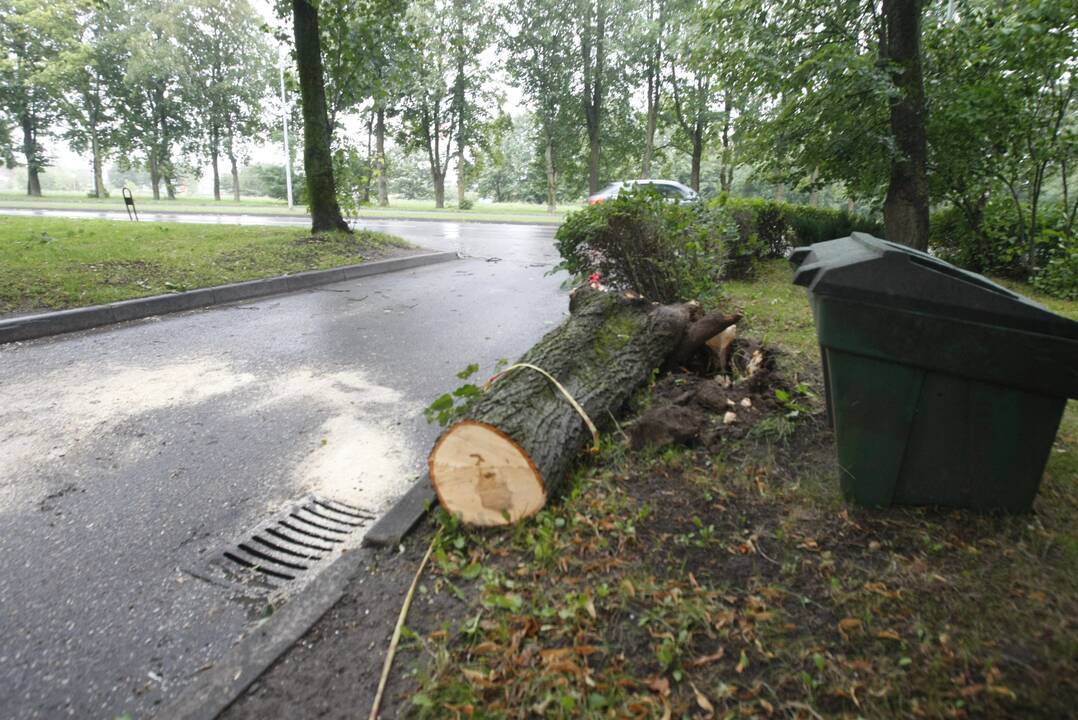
(295,545)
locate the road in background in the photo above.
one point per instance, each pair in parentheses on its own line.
(133,455)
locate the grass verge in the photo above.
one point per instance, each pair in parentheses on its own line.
(398,209)
(53,264)
(734,582)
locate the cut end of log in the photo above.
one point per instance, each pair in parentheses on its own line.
(483,477)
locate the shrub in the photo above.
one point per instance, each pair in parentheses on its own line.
(1059,276)
(767,229)
(997,249)
(664,251)
(465,204)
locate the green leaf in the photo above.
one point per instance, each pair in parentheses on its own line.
(468,371)
(443,403)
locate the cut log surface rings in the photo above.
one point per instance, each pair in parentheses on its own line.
(516,445)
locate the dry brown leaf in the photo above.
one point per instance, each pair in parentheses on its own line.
(487,648)
(567,667)
(707,659)
(586,650)
(881,589)
(768,707)
(702,701)
(476,677)
(888,635)
(550,655)
(848,625)
(659,685)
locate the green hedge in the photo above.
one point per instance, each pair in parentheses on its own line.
(767,229)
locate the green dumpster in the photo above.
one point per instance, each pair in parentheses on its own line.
(943,387)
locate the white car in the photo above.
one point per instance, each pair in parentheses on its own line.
(672,190)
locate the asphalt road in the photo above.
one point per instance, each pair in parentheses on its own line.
(134,455)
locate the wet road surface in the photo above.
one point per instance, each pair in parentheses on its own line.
(134,455)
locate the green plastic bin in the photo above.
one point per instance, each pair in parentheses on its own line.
(943,387)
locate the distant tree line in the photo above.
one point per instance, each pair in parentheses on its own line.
(905,107)
(155,84)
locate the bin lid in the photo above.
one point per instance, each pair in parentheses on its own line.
(867,269)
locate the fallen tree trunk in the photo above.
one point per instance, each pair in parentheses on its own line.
(516,444)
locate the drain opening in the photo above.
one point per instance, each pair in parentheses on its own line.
(259,568)
(278,548)
(297,543)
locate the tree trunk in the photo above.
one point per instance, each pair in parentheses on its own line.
(814,192)
(317,161)
(99,174)
(654,78)
(30,150)
(439,189)
(697,158)
(594,88)
(726,169)
(780,193)
(155,174)
(905,209)
(515,446)
(551,178)
(380,157)
(235,177)
(216,177)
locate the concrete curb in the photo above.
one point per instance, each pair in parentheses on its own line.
(54,323)
(220,686)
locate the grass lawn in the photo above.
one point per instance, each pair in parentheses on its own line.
(734,582)
(399,208)
(52,264)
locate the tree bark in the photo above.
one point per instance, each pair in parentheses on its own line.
(317,161)
(654,80)
(235,177)
(439,189)
(215,152)
(32,153)
(515,446)
(697,159)
(726,169)
(155,174)
(594,87)
(380,157)
(905,209)
(99,174)
(551,177)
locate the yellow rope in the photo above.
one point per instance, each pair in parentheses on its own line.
(398,628)
(572,401)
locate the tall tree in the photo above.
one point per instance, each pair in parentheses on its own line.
(228,74)
(367,44)
(317,158)
(429,124)
(541,62)
(155,110)
(694,84)
(32,34)
(593,51)
(652,48)
(905,209)
(91,73)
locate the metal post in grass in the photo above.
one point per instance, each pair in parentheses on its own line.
(129,204)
